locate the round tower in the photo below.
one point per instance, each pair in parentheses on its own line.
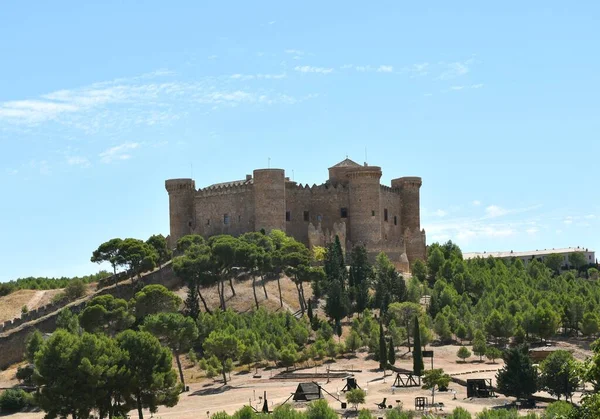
(409,188)
(269,199)
(364,212)
(181,207)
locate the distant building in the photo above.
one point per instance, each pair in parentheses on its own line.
(539,255)
(351,204)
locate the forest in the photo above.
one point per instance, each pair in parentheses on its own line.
(125,350)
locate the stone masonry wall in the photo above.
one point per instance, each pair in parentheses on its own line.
(12,342)
(235,203)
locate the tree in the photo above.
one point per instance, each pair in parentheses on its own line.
(33,343)
(224,256)
(223,345)
(359,277)
(546,321)
(442,328)
(355,397)
(479,344)
(353,341)
(75,289)
(418,366)
(159,244)
(154,299)
(336,305)
(518,377)
(175,331)
(107,314)
(138,256)
(461,332)
(577,260)
(419,270)
(109,252)
(382,349)
(492,353)
(559,374)
(404,314)
(14,400)
(68,321)
(590,324)
(391,357)
(435,261)
(554,261)
(151,379)
(197,268)
(559,410)
(463,353)
(320,409)
(435,377)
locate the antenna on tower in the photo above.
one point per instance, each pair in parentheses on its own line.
(268,162)
(366,158)
(192,170)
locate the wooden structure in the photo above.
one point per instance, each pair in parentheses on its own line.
(421,403)
(404,379)
(306,392)
(351,384)
(480,388)
(382,405)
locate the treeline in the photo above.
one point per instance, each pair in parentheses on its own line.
(44,283)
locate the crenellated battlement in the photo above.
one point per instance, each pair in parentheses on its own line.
(216,190)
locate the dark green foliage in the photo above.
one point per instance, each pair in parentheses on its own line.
(518,377)
(25,374)
(75,289)
(159,244)
(359,278)
(154,299)
(382,348)
(44,283)
(336,306)
(389,285)
(68,321)
(559,374)
(107,314)
(14,400)
(391,357)
(32,344)
(418,366)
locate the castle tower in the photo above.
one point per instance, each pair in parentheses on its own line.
(269,199)
(410,199)
(410,217)
(364,210)
(181,208)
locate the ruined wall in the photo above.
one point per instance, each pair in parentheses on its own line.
(269,199)
(181,208)
(224,210)
(12,343)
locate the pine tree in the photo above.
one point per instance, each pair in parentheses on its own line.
(310,311)
(391,352)
(518,378)
(382,348)
(192,303)
(418,366)
(338,329)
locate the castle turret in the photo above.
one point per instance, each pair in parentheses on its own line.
(269,199)
(181,208)
(410,199)
(364,205)
(410,217)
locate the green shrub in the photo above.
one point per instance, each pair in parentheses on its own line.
(13,400)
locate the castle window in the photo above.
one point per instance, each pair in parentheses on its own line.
(306,216)
(189,223)
(372,213)
(385,215)
(395,220)
(226,219)
(208,221)
(344,212)
(288,216)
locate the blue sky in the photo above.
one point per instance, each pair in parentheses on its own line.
(494,105)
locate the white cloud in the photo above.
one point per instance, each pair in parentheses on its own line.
(12,172)
(212,57)
(80,161)
(385,69)
(441,213)
(495,211)
(476,203)
(477,86)
(531,230)
(568,220)
(417,70)
(457,87)
(258,76)
(120,152)
(455,69)
(428,94)
(311,69)
(590,217)
(272,22)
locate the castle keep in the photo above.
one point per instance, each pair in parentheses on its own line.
(351,204)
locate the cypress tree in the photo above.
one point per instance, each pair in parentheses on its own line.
(382,348)
(310,311)
(418,366)
(391,352)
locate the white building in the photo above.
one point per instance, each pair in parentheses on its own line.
(540,255)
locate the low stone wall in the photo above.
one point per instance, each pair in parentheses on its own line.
(12,341)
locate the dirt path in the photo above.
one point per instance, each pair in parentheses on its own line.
(34,301)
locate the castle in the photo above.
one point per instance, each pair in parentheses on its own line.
(351,204)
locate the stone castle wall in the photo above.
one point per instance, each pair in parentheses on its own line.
(213,205)
(12,342)
(269,200)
